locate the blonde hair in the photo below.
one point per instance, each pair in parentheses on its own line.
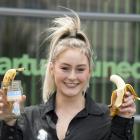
(66,34)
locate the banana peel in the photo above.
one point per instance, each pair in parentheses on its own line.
(9,76)
(117,96)
(7,79)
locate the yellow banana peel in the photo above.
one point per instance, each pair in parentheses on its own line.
(118,94)
(7,79)
(9,76)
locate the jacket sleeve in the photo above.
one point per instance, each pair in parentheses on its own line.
(10,132)
(121,128)
(117,128)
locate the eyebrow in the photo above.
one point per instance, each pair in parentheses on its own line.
(79,65)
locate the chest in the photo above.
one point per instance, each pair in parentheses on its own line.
(80,128)
(84,128)
(62,127)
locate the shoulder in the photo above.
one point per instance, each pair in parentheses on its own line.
(96,108)
(33,111)
(32,108)
(98,111)
(103,107)
(40,110)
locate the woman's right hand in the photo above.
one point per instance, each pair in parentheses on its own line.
(4,107)
(5,110)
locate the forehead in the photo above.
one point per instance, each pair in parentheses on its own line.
(72,55)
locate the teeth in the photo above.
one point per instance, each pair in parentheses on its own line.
(71,85)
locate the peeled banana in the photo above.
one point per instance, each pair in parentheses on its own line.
(7,79)
(118,94)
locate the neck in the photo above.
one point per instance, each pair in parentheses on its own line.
(64,103)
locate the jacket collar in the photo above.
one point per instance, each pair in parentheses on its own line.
(48,106)
(91,107)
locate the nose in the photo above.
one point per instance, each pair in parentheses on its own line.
(72,75)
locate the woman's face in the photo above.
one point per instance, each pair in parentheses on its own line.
(71,72)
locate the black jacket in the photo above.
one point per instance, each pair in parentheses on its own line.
(92,123)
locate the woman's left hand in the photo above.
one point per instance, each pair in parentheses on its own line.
(128,107)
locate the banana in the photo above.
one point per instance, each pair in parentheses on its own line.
(7,79)
(9,76)
(118,94)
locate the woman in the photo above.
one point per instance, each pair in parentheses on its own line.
(68,112)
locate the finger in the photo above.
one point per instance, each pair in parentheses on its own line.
(1,107)
(22,99)
(127,94)
(1,92)
(129,110)
(127,106)
(3,96)
(2,104)
(127,98)
(2,99)
(128,103)
(1,112)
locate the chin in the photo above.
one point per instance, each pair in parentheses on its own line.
(71,93)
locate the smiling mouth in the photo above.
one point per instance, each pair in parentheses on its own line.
(71,85)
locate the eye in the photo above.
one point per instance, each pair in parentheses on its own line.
(80,69)
(65,68)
